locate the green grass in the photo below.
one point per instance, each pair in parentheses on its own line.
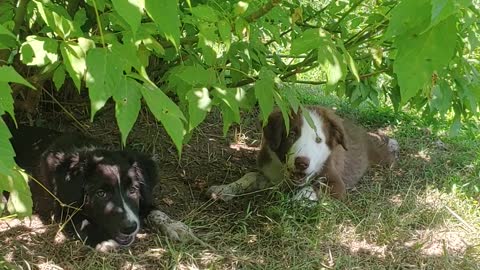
(423,214)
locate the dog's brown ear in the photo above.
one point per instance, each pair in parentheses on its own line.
(337,132)
(274,131)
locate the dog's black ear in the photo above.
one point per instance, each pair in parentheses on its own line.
(336,129)
(146,171)
(62,174)
(274,131)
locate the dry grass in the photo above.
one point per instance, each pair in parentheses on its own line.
(421,215)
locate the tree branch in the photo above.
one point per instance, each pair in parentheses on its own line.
(20,15)
(261,11)
(350,10)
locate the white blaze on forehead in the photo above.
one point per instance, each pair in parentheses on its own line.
(131,216)
(307,145)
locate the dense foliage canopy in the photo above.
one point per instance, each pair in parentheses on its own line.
(184,57)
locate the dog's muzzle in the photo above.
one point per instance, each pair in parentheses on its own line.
(125,239)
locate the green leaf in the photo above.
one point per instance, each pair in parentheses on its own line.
(206,13)
(20,197)
(131,11)
(350,62)
(228,117)
(4,31)
(57,18)
(39,51)
(9,74)
(332,63)
(408,16)
(310,39)
(264,89)
(59,77)
(419,56)
(290,95)
(167,112)
(103,77)
(193,75)
(15,182)
(165,15)
(225,32)
(7,39)
(284,108)
(6,99)
(127,55)
(199,103)
(80,17)
(228,104)
(442,9)
(99,4)
(73,55)
(127,105)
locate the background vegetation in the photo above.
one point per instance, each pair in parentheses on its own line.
(181,59)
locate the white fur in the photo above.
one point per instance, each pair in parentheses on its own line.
(128,211)
(307,146)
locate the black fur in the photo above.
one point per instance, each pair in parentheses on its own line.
(107,185)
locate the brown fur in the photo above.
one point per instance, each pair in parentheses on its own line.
(353,149)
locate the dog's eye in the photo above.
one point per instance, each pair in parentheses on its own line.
(101,193)
(318,139)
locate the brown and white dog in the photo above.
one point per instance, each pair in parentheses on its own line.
(329,149)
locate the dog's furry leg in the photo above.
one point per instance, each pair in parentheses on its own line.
(173,229)
(251,181)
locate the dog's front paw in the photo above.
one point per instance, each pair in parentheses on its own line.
(307,193)
(173,229)
(107,246)
(221,192)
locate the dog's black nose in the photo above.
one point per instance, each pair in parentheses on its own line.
(302,163)
(128,227)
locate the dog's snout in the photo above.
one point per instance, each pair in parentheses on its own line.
(302,163)
(128,227)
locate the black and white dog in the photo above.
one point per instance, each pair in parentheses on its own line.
(103,194)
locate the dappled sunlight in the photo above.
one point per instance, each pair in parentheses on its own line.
(203,101)
(357,245)
(396,200)
(437,242)
(424,155)
(241,141)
